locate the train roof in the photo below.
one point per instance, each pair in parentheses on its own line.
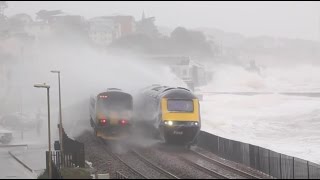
(110,90)
(160,91)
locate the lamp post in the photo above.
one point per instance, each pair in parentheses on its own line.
(60,116)
(49,132)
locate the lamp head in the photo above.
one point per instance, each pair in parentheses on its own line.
(44,85)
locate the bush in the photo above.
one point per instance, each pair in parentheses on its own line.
(70,173)
(75,173)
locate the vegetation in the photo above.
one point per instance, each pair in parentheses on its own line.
(3,6)
(181,41)
(75,173)
(70,173)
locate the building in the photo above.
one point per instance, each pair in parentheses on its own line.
(22,18)
(71,27)
(18,23)
(39,29)
(191,72)
(127,23)
(103,30)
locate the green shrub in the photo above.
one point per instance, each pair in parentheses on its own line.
(75,173)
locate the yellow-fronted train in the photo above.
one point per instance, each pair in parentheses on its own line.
(171,113)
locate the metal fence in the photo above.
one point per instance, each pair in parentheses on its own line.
(69,160)
(56,174)
(73,156)
(275,164)
(73,152)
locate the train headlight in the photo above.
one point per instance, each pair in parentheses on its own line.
(196,123)
(170,123)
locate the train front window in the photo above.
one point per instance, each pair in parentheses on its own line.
(176,105)
(114,104)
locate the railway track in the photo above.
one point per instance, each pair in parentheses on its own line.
(137,162)
(203,169)
(135,170)
(159,169)
(116,157)
(225,166)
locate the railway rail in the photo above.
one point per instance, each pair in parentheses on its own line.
(159,169)
(155,161)
(141,158)
(116,157)
(225,166)
(204,169)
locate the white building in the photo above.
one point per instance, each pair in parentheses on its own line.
(191,72)
(103,30)
(39,29)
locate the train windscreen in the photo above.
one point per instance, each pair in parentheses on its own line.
(176,105)
(115,102)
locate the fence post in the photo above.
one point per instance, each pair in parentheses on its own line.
(280,167)
(269,162)
(218,146)
(293,166)
(258,159)
(58,159)
(47,156)
(308,169)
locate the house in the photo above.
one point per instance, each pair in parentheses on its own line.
(71,27)
(127,23)
(191,72)
(104,30)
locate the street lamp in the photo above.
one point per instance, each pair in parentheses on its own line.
(60,113)
(49,133)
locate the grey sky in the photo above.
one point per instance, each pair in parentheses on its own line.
(280,19)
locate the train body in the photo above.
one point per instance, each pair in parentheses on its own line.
(111,114)
(173,113)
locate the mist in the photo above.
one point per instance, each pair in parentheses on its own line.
(85,71)
(239,47)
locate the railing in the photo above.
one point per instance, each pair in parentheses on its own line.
(275,164)
(69,160)
(73,156)
(56,174)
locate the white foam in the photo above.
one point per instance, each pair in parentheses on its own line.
(286,124)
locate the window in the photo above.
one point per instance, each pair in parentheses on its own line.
(115,102)
(178,105)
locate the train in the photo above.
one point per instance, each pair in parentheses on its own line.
(171,113)
(111,114)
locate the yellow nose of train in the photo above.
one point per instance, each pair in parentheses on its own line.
(170,116)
